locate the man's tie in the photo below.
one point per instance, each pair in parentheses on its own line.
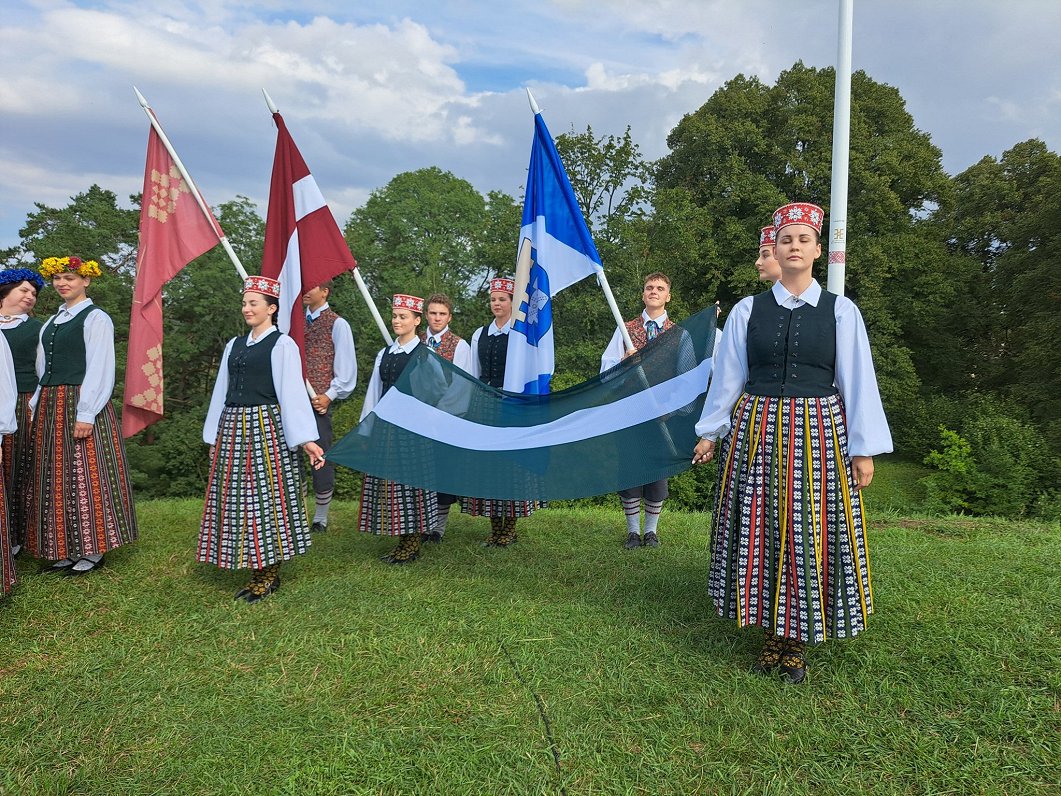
(651,330)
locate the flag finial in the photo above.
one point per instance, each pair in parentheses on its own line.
(269,102)
(140,98)
(534,105)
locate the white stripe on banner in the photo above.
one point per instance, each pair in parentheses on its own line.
(428,421)
(290,278)
(308,197)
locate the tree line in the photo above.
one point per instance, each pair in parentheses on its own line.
(955,276)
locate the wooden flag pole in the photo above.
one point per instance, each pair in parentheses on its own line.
(191,184)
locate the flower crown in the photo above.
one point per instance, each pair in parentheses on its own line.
(9,275)
(57,265)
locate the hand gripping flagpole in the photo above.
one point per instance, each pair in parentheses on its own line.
(602,280)
(191,184)
(361,286)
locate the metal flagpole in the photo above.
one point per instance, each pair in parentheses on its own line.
(841,153)
(191,184)
(602,280)
(361,286)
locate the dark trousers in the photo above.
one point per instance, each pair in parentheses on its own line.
(324,478)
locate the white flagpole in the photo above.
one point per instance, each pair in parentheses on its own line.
(841,153)
(191,184)
(358,280)
(602,280)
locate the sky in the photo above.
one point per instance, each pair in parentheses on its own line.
(370,89)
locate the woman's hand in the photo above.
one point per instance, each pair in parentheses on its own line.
(704,451)
(315,453)
(862,471)
(82,430)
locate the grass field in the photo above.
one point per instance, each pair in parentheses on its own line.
(562,665)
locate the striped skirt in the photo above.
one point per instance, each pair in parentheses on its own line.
(81,502)
(392,509)
(7,564)
(488,507)
(253,515)
(18,470)
(788,544)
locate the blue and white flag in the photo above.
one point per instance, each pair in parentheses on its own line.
(555,251)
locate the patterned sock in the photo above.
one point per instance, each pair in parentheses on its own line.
(652,512)
(442,519)
(632,509)
(320,510)
(496,524)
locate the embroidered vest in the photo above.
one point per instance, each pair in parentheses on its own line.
(22,340)
(64,350)
(791,354)
(250,372)
(492,353)
(639,336)
(447,345)
(320,351)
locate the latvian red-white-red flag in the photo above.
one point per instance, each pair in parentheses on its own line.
(174,230)
(303,244)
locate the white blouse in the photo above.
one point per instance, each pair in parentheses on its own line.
(296,413)
(98,385)
(855,378)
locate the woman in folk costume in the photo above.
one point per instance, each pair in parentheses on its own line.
(795,390)
(259,415)
(489,353)
(766,263)
(8,394)
(387,507)
(81,504)
(18,296)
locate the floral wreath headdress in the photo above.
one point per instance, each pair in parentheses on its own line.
(16,275)
(58,265)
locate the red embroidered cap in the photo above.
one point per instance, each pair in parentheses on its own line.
(414,303)
(799,213)
(263,285)
(502,285)
(767,237)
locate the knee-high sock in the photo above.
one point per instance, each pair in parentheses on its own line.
(320,510)
(652,512)
(632,509)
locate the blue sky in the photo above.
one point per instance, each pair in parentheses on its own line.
(370,89)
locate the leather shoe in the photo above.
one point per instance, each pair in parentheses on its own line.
(255,597)
(318,527)
(57,568)
(431,537)
(71,572)
(633,541)
(651,540)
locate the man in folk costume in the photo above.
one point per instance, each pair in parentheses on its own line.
(795,392)
(449,346)
(331,367)
(652,322)
(389,508)
(489,356)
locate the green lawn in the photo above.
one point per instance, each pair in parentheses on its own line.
(357,677)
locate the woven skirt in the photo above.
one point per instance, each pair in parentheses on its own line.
(392,509)
(788,544)
(81,502)
(7,564)
(254,514)
(18,470)
(488,507)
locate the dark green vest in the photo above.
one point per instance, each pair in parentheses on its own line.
(250,372)
(493,356)
(22,340)
(791,353)
(64,350)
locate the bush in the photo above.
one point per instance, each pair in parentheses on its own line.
(998,463)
